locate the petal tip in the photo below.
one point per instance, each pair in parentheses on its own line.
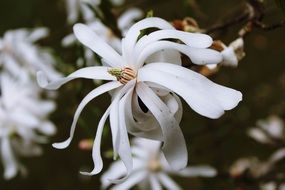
(60,145)
(42,79)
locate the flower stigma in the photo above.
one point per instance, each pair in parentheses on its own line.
(123,75)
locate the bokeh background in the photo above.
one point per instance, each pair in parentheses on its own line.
(260,76)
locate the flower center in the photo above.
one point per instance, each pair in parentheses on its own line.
(123,75)
(154,165)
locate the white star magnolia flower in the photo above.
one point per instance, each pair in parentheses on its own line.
(268,130)
(18,53)
(77,7)
(150,170)
(22,119)
(135,84)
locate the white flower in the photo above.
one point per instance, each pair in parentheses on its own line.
(233,53)
(18,53)
(151,170)
(22,120)
(268,130)
(75,8)
(136,85)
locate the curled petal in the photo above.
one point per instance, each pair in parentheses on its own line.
(93,94)
(135,127)
(190,39)
(96,152)
(199,56)
(169,126)
(132,35)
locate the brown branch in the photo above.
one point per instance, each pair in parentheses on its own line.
(239,19)
(269,27)
(252,17)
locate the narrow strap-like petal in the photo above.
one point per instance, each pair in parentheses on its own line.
(190,39)
(97,72)
(199,56)
(197,171)
(154,183)
(114,119)
(134,179)
(93,94)
(8,159)
(90,39)
(120,137)
(96,152)
(169,126)
(134,32)
(167,182)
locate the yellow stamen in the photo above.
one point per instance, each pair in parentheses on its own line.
(123,75)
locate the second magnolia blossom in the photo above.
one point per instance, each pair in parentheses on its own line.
(151,171)
(144,81)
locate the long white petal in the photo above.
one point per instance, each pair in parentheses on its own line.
(8,159)
(198,171)
(93,94)
(97,72)
(117,170)
(165,55)
(96,152)
(134,179)
(202,95)
(134,32)
(121,144)
(90,39)
(168,182)
(227,97)
(190,39)
(170,128)
(199,56)
(154,183)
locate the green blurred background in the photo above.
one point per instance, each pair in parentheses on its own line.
(260,76)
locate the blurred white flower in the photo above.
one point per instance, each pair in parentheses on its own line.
(151,170)
(144,80)
(268,130)
(23,122)
(268,186)
(256,167)
(272,186)
(18,53)
(77,8)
